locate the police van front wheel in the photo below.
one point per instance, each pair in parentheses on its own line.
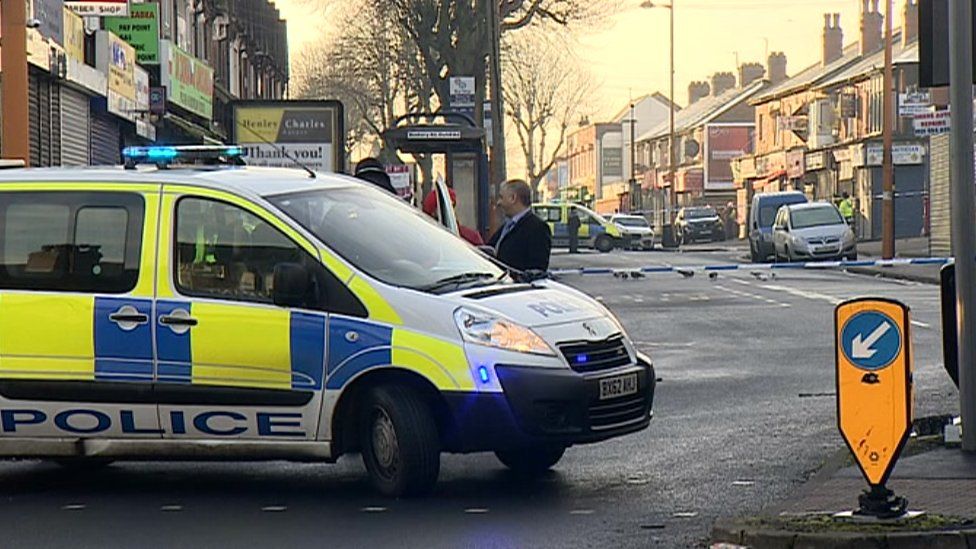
(533,460)
(400,442)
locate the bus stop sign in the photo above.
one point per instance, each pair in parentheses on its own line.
(875,398)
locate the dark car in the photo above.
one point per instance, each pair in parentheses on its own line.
(700,223)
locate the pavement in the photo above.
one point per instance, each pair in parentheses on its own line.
(904,248)
(940,482)
(744,416)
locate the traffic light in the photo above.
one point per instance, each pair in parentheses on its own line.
(933,43)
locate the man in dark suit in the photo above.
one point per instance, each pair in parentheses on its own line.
(524,241)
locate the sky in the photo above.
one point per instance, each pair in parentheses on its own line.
(627,56)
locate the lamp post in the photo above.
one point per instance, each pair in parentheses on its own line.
(667,229)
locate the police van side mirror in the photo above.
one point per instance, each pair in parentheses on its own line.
(291,285)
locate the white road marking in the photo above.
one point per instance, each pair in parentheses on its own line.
(752,296)
(74,507)
(274,509)
(804,294)
(170,508)
(581,512)
(476,511)
(373,509)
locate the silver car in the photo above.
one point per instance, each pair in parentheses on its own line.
(812,232)
(635,231)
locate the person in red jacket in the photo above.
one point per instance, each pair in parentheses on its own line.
(467,233)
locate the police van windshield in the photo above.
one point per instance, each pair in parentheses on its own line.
(387,239)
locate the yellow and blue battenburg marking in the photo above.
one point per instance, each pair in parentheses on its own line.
(123,354)
(356,346)
(180,355)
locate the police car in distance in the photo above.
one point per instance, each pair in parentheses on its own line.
(174,311)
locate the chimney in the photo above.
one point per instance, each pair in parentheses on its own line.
(777,67)
(722,82)
(749,73)
(909,22)
(833,39)
(871,27)
(697,91)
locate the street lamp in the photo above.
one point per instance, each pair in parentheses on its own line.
(667,234)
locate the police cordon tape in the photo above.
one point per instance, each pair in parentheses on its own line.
(691,269)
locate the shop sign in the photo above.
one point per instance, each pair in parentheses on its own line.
(140,29)
(815,161)
(188,80)
(99,8)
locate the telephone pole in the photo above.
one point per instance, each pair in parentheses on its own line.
(498,168)
(888,168)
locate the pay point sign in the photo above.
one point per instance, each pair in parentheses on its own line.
(875,397)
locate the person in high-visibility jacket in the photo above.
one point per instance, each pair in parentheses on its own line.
(846,208)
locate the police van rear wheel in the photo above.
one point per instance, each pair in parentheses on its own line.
(400,442)
(533,460)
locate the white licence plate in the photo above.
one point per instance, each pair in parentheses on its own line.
(614,387)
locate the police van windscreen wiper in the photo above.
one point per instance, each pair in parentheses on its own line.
(457,280)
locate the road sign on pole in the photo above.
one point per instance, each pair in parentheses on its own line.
(875,397)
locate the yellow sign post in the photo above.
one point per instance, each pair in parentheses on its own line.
(875,397)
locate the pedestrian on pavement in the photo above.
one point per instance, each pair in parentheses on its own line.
(573,225)
(524,241)
(467,233)
(372,170)
(729,217)
(846,208)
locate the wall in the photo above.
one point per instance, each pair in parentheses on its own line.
(939,198)
(769,138)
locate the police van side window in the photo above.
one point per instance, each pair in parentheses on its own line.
(70,241)
(225,252)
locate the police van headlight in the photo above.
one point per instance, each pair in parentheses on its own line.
(484,328)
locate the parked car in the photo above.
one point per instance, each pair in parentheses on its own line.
(694,224)
(761,217)
(812,232)
(635,231)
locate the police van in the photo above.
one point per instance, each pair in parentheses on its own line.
(169,310)
(594,232)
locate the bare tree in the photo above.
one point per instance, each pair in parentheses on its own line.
(370,67)
(545,92)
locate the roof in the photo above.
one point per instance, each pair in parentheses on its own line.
(704,110)
(242,180)
(901,55)
(811,76)
(657,96)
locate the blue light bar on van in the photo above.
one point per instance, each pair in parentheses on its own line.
(191,154)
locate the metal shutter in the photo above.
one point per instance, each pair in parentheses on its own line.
(55,123)
(105,149)
(34,120)
(74,128)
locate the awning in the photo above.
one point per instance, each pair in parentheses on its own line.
(205,134)
(759,183)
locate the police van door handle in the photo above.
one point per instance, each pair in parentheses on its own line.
(128,318)
(179,321)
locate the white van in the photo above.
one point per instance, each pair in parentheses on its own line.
(227,312)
